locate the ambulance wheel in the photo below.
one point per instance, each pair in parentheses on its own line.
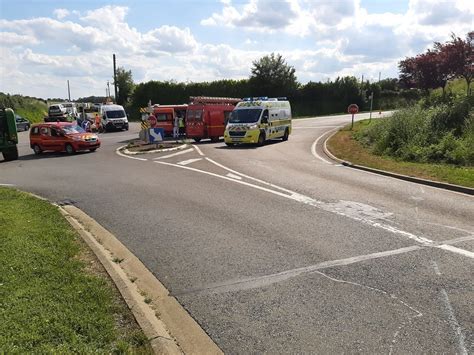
(214,139)
(69,149)
(261,139)
(285,136)
(229,144)
(197,140)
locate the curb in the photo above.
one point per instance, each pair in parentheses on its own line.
(437,184)
(126,151)
(167,325)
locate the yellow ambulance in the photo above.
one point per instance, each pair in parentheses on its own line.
(258,119)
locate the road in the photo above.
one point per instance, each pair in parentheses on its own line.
(278,249)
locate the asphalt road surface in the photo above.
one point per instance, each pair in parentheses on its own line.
(278,249)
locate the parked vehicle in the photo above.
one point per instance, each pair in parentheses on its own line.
(165,115)
(22,124)
(56,110)
(113,117)
(256,120)
(60,137)
(8,134)
(206,117)
(71,109)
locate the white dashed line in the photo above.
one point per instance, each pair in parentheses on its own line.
(233,176)
(175,154)
(189,161)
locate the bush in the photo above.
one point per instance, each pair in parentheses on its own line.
(440,133)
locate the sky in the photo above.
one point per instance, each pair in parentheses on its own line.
(44,43)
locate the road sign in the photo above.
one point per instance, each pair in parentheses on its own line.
(152,121)
(353,108)
(156,134)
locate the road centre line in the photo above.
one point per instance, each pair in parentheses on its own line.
(127,156)
(266,280)
(175,154)
(198,150)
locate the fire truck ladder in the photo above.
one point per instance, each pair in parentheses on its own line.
(214,100)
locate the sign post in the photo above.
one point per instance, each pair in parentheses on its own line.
(352,109)
(371,97)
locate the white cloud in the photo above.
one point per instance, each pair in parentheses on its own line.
(61,13)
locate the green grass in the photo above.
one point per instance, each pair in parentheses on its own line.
(345,147)
(53,296)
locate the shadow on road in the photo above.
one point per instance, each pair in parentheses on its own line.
(45,155)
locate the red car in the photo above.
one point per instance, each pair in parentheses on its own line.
(60,137)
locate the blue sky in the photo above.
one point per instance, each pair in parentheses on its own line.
(46,43)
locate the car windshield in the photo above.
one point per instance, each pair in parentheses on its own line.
(115,114)
(245,116)
(72,129)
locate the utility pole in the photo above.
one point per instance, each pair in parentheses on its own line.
(108,88)
(68,91)
(379,76)
(115,79)
(371,102)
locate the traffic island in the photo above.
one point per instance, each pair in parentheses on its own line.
(344,148)
(137,147)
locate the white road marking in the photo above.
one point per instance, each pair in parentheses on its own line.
(266,280)
(198,150)
(459,240)
(233,176)
(436,268)
(349,212)
(453,322)
(175,154)
(7,185)
(456,250)
(189,161)
(107,136)
(127,156)
(315,153)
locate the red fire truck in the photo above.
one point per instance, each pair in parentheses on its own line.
(207,117)
(165,115)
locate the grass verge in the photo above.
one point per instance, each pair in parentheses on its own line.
(55,297)
(345,147)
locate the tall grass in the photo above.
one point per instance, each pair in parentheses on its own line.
(436,130)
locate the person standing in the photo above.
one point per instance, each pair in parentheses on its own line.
(176,127)
(181,125)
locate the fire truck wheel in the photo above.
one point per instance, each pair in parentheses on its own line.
(197,140)
(214,139)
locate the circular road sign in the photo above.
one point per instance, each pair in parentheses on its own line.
(353,108)
(152,121)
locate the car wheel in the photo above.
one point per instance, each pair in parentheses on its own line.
(93,149)
(37,149)
(285,136)
(261,139)
(69,149)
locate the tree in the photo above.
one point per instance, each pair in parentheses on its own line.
(272,76)
(125,85)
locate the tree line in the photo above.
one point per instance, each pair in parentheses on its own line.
(270,76)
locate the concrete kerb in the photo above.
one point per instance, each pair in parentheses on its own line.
(164,321)
(441,185)
(126,151)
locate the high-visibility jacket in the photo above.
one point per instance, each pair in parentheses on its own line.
(181,122)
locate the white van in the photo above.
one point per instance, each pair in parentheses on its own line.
(113,117)
(256,120)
